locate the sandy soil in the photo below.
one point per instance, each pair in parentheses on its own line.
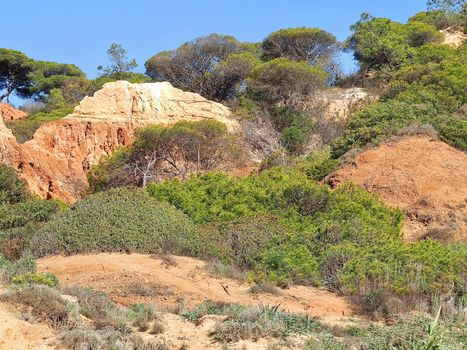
(187,282)
(453,36)
(424,177)
(16,334)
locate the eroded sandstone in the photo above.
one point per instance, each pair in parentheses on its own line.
(54,163)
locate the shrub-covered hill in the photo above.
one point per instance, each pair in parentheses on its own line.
(280,225)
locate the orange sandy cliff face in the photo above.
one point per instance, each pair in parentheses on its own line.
(9,113)
(424,177)
(54,163)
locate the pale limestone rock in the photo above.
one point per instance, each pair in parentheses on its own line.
(150,103)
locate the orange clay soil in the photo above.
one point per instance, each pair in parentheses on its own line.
(138,278)
(424,177)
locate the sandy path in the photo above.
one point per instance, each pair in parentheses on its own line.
(113,273)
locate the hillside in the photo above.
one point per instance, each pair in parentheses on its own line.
(236,195)
(126,278)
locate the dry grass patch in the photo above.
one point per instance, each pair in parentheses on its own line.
(45,304)
(265,288)
(217,268)
(147,289)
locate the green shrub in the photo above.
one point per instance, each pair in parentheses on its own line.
(216,196)
(307,199)
(12,189)
(25,265)
(290,263)
(282,81)
(317,165)
(244,240)
(343,239)
(47,278)
(293,139)
(425,86)
(20,214)
(175,152)
(454,131)
(119,220)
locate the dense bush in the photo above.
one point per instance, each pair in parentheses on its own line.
(345,239)
(47,278)
(119,220)
(12,189)
(20,214)
(426,89)
(243,241)
(379,43)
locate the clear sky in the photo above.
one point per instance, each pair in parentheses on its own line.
(80,31)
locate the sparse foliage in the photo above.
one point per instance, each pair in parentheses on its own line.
(160,153)
(119,65)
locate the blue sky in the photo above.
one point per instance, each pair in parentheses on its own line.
(80,31)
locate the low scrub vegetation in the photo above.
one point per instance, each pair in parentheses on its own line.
(46,304)
(289,229)
(252,323)
(105,325)
(406,333)
(21,213)
(120,220)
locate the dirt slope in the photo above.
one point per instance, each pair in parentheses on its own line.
(119,274)
(16,334)
(424,177)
